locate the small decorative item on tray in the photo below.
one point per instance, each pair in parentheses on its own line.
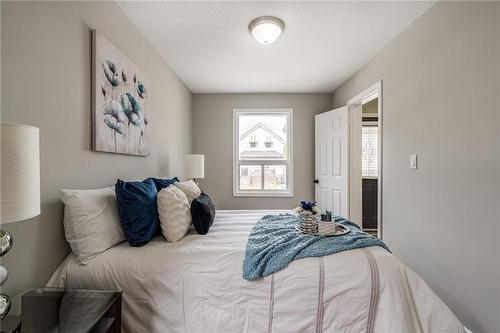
(309,214)
(326,228)
(323,230)
(308,208)
(311,224)
(326,216)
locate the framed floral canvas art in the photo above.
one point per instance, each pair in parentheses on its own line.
(120,106)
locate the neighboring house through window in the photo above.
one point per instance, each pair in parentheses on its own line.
(262,152)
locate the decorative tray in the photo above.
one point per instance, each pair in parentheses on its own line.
(339,230)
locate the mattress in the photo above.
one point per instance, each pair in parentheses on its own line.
(196,285)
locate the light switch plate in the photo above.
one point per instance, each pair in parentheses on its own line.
(413,162)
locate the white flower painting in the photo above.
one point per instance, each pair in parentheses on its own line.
(120,113)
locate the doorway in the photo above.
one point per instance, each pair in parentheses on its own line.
(369,166)
(365,159)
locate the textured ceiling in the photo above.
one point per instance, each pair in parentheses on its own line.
(208,44)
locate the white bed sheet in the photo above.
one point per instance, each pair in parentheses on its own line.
(196,285)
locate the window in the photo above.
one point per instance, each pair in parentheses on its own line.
(253,141)
(369,159)
(262,152)
(269,142)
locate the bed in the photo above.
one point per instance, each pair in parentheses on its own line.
(196,285)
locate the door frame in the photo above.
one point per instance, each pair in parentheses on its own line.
(372,92)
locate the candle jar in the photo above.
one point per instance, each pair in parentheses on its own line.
(326,228)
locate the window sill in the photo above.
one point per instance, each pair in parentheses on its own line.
(262,195)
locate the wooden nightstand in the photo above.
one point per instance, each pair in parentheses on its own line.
(71,310)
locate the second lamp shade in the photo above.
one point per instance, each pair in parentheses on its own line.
(195,166)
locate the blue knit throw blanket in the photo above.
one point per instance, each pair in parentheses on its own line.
(274,243)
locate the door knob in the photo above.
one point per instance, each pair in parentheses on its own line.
(316,181)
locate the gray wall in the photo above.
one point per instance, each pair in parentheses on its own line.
(213,136)
(441,82)
(46,83)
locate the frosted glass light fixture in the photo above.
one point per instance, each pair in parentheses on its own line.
(266,29)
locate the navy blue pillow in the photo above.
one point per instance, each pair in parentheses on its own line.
(162,183)
(138,211)
(202,213)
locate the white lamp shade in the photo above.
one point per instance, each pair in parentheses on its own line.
(20,173)
(195,166)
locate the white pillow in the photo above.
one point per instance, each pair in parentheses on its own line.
(190,189)
(174,212)
(91,221)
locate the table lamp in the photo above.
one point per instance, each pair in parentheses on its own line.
(195,166)
(20,186)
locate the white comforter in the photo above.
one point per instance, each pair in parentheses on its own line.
(196,285)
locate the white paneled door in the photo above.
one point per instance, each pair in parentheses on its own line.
(332,161)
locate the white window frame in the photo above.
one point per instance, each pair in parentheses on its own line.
(237,192)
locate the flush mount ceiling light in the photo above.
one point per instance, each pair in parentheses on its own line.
(266,29)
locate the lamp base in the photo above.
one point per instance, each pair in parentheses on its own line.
(6,243)
(4,305)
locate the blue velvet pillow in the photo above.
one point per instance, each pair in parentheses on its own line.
(138,211)
(162,183)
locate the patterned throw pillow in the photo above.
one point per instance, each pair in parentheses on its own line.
(175,216)
(190,189)
(203,213)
